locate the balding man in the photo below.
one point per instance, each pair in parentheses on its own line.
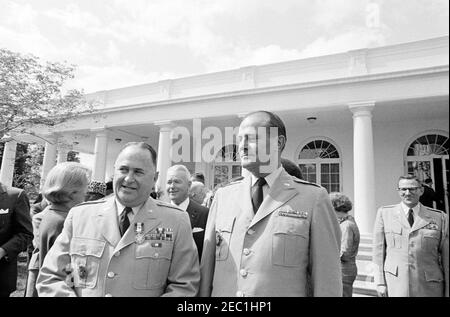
(270,234)
(125,245)
(178,184)
(197,192)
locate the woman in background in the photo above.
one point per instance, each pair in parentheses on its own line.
(65,186)
(349,241)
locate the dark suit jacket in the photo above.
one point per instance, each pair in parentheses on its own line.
(198,216)
(16,233)
(428,196)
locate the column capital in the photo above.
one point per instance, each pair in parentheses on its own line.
(164,125)
(361,108)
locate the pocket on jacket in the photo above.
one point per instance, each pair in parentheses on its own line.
(85,259)
(223,236)
(391,268)
(4,219)
(394,236)
(290,241)
(152,265)
(434,276)
(430,240)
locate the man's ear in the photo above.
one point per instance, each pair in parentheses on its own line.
(281,142)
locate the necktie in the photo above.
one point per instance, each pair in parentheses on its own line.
(411,217)
(124,222)
(257,196)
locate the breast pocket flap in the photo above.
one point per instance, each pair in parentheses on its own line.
(87,247)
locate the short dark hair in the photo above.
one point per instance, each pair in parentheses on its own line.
(274,121)
(142,145)
(410,177)
(291,168)
(199,176)
(340,202)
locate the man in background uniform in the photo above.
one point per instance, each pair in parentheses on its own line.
(270,234)
(410,249)
(125,245)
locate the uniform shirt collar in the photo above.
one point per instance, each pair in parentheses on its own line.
(121,207)
(183,205)
(415,209)
(270,179)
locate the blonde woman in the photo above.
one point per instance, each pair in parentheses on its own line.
(66,186)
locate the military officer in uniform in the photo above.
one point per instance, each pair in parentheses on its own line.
(125,245)
(411,248)
(270,234)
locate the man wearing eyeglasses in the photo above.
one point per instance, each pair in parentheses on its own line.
(410,250)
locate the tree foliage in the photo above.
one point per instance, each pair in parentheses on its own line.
(31,93)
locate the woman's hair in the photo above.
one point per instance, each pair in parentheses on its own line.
(340,202)
(65,179)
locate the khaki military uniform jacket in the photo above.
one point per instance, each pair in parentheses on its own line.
(289,248)
(102,263)
(411,261)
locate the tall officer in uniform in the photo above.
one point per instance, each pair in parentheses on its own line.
(125,245)
(283,242)
(410,249)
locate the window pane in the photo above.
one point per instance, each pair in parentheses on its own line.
(335,168)
(236,171)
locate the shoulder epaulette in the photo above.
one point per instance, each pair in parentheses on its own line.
(164,204)
(301,181)
(432,209)
(92,202)
(389,206)
(236,180)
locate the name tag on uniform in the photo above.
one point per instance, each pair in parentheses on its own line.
(293,214)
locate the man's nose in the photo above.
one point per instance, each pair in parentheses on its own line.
(129,177)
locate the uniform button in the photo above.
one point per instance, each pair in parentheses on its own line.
(250,231)
(246,251)
(240,294)
(108,295)
(111,274)
(156,255)
(243,273)
(117,253)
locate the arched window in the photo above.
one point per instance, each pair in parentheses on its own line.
(427,157)
(227,164)
(320,163)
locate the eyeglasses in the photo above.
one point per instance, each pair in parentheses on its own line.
(411,189)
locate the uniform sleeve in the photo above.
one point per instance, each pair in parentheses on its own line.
(53,277)
(184,273)
(379,249)
(325,240)
(21,227)
(209,251)
(444,249)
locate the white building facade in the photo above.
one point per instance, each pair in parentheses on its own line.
(355,121)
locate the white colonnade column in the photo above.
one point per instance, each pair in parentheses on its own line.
(8,162)
(100,151)
(164,159)
(49,157)
(363,165)
(63,151)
